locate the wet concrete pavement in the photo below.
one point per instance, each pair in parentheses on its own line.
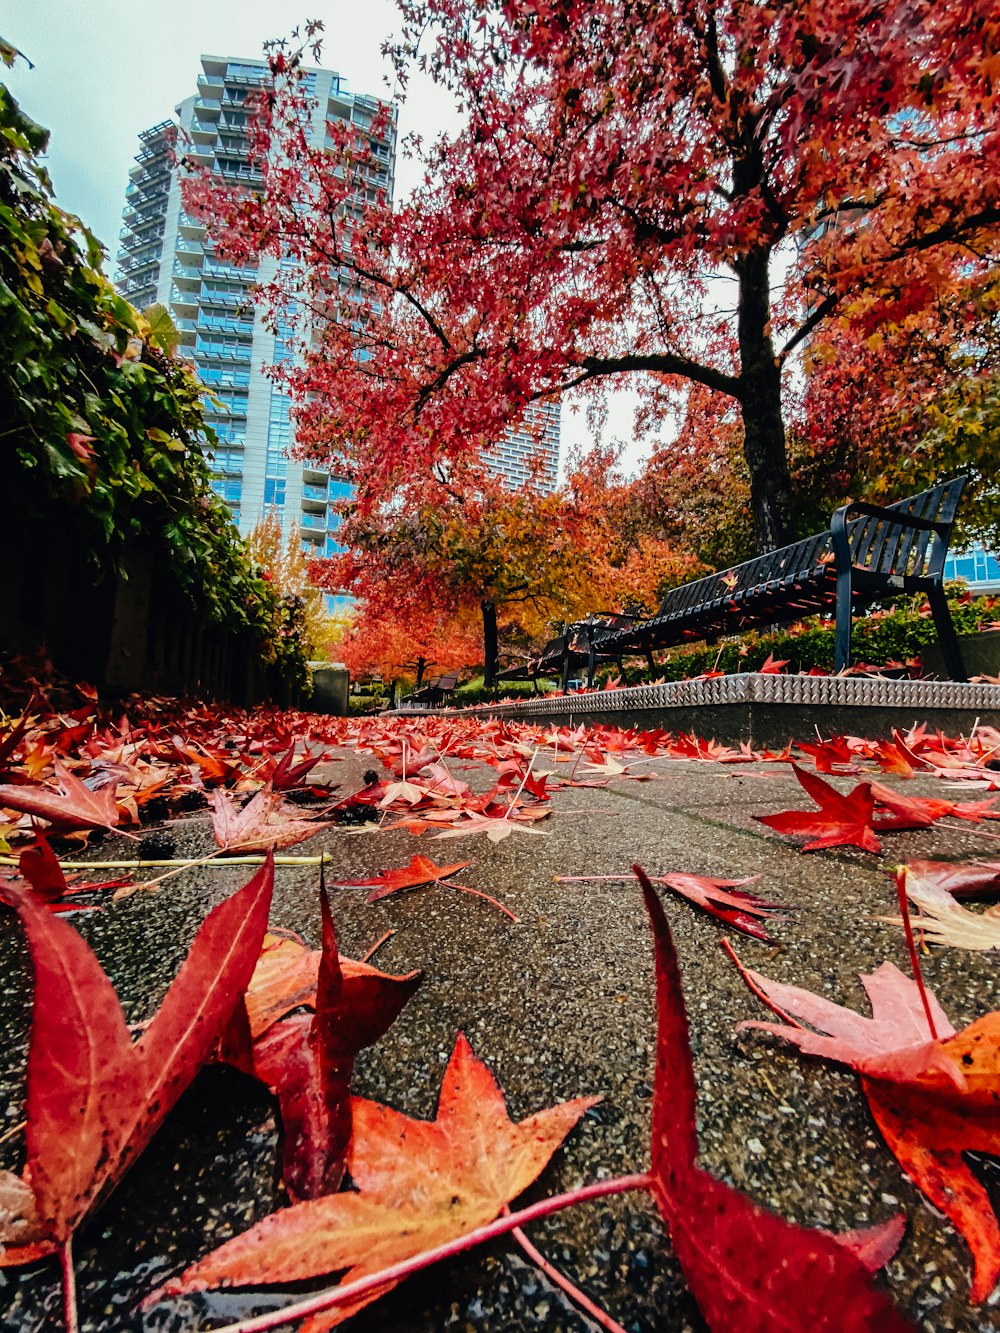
(558,1006)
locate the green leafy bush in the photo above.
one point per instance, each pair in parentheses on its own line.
(103,430)
(884,638)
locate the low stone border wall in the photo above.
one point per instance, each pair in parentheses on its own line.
(760,709)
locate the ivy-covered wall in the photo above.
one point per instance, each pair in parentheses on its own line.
(102,438)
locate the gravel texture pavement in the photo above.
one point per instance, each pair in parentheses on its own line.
(558,1006)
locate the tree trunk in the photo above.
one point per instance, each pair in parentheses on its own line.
(763,426)
(421,666)
(490,648)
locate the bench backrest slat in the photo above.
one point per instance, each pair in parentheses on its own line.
(879,546)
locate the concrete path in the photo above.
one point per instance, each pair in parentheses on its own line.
(559,1005)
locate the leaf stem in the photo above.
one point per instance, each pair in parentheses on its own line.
(578,1297)
(775,1008)
(918,976)
(350,1291)
(13,1132)
(68,1286)
(383,939)
(478,893)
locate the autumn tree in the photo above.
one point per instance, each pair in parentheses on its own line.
(681,193)
(286,567)
(513,557)
(396,637)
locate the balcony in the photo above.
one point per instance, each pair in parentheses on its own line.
(132,264)
(225,410)
(234,354)
(187,254)
(134,215)
(315,522)
(133,239)
(316,494)
(156,131)
(211,83)
(234,301)
(215,269)
(187,274)
(243,329)
(261,80)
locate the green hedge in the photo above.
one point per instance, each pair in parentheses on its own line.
(103,429)
(882,638)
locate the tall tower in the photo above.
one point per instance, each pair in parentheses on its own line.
(538,436)
(166,256)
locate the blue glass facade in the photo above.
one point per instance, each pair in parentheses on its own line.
(978,567)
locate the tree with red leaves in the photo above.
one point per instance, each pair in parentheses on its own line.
(615,163)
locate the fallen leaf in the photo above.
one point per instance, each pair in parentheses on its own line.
(307,1061)
(931,1104)
(747,1268)
(421,870)
(260,826)
(738,910)
(419,1183)
(95,1097)
(944,921)
(976,879)
(74,807)
(840,820)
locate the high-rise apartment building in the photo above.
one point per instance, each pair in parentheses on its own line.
(167,257)
(538,436)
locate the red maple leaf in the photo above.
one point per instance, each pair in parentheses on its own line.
(307,1060)
(747,1268)
(40,867)
(259,826)
(840,820)
(418,1185)
(421,870)
(770,667)
(832,756)
(741,911)
(73,808)
(94,1097)
(934,1093)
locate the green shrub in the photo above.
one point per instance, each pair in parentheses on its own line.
(883,638)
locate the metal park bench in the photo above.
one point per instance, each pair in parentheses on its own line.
(868,554)
(432,693)
(571,649)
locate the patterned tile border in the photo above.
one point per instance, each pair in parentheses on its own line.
(748,688)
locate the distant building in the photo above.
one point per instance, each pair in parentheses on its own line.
(980,569)
(166,256)
(537,436)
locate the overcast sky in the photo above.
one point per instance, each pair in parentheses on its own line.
(106,69)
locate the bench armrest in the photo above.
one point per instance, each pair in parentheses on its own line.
(893,518)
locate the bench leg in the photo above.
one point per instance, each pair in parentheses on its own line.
(564,674)
(591,666)
(651,664)
(842,646)
(947,637)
